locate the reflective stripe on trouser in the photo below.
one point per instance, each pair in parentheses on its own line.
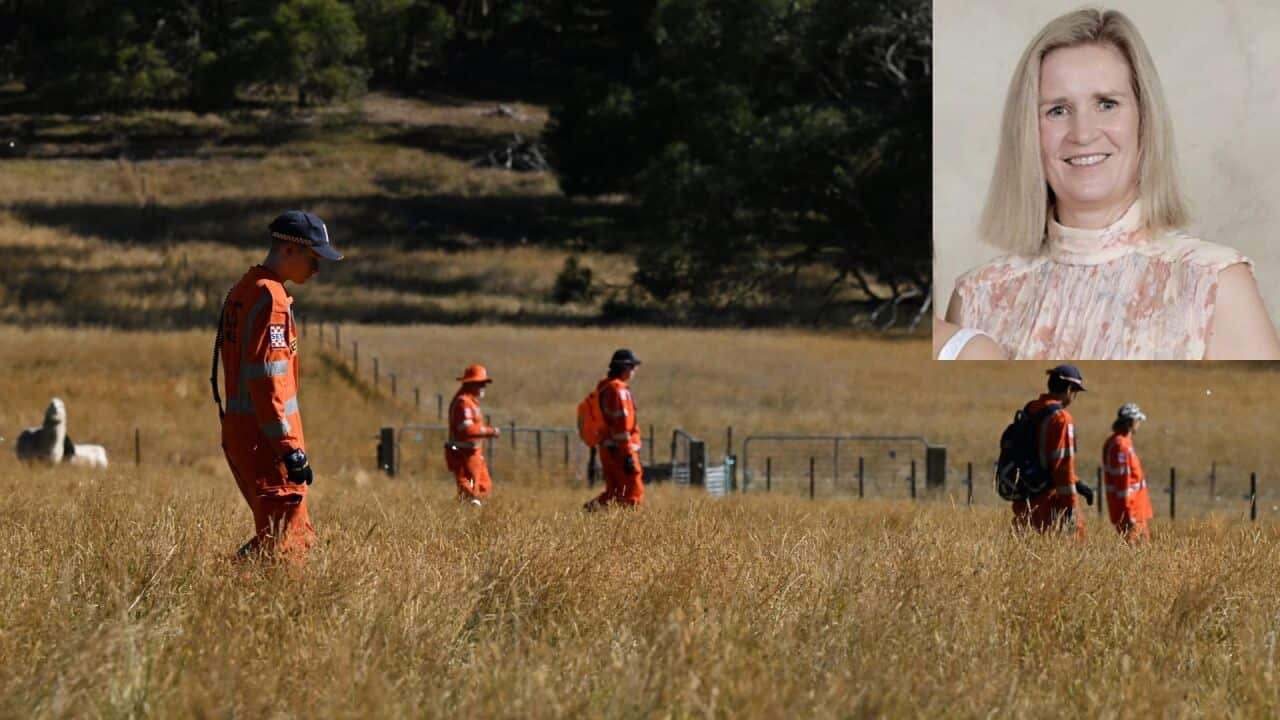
(470,473)
(621,486)
(1066,490)
(282,525)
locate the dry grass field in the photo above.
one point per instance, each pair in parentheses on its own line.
(118,600)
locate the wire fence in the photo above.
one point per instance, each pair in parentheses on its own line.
(820,467)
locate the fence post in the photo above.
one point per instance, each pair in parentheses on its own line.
(935,467)
(860,478)
(375,374)
(768,474)
(697,463)
(137,446)
(566,450)
(913,479)
(1253,497)
(355,358)
(417,400)
(393,386)
(1213,481)
(513,435)
(1173,493)
(811,487)
(538,440)
(321,334)
(439,406)
(337,338)
(969,485)
(591,469)
(387,451)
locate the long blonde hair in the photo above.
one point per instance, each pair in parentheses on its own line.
(1019,197)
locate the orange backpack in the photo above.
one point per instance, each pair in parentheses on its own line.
(591,425)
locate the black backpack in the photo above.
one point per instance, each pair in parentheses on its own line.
(1019,474)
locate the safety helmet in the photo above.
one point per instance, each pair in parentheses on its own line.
(624,357)
(1131,411)
(475,374)
(1068,373)
(305,229)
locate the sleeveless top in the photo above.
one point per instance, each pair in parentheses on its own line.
(952,347)
(1108,294)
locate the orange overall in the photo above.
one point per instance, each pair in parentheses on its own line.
(1128,502)
(262,423)
(464,453)
(1059,503)
(620,451)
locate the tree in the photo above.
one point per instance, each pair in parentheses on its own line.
(312,45)
(762,137)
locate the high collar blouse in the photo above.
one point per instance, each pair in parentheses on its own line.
(1115,293)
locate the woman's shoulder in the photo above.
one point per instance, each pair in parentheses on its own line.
(1179,247)
(1000,270)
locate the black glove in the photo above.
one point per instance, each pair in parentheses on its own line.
(629,465)
(1086,491)
(298,467)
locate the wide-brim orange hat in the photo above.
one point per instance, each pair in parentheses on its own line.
(475,374)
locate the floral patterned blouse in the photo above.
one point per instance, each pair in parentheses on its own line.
(1108,294)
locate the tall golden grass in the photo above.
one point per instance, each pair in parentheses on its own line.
(118,598)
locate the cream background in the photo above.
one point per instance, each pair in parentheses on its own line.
(1219,63)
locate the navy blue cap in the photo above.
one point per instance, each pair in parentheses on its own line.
(298,226)
(624,357)
(1070,373)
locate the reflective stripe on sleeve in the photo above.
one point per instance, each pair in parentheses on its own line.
(276,430)
(1061,453)
(291,405)
(1132,490)
(466,424)
(1111,470)
(275,368)
(622,436)
(1066,489)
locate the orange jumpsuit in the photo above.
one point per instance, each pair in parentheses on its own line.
(1128,502)
(464,453)
(620,451)
(262,423)
(1059,503)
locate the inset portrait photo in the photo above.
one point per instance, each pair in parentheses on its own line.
(1106,180)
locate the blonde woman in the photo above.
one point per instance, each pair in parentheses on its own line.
(1086,197)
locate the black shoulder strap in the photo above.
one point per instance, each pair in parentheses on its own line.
(217,350)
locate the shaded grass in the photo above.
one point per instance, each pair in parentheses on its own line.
(389,175)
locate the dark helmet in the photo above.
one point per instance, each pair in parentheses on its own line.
(1069,374)
(305,229)
(624,358)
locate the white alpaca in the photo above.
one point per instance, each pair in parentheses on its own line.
(46,443)
(88,456)
(50,443)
